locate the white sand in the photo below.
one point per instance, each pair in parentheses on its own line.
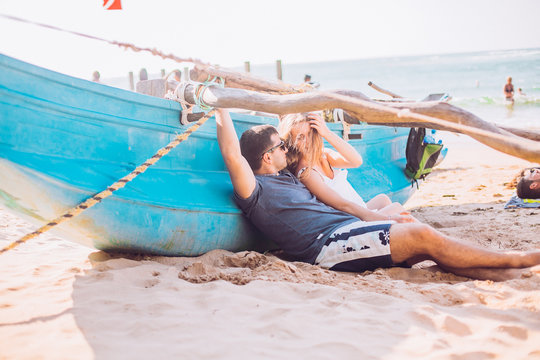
(61,300)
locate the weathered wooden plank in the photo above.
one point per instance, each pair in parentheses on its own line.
(434,115)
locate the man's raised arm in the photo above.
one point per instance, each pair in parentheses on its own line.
(242,176)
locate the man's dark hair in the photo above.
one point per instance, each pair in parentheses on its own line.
(254,142)
(524,191)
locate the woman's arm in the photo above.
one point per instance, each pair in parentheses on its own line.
(328,196)
(345,155)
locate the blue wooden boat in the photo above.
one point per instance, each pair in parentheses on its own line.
(63,139)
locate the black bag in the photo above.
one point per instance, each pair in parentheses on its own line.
(421,155)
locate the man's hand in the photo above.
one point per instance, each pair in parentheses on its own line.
(242,177)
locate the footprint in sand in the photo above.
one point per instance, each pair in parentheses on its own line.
(456,327)
(478,355)
(515,331)
(151,283)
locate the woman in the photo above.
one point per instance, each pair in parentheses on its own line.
(321,169)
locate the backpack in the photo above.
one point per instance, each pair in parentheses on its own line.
(421,153)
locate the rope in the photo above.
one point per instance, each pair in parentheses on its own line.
(141,168)
(116,186)
(200,88)
(120,44)
(125,46)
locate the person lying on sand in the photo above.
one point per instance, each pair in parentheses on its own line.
(307,230)
(528,186)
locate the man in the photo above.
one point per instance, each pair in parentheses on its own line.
(309,231)
(307,81)
(529,185)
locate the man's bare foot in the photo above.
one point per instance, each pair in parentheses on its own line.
(497,274)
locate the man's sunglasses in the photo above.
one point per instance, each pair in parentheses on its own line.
(280,145)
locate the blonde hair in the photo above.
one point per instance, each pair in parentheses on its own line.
(314,143)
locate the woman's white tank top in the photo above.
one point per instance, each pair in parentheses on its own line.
(340,185)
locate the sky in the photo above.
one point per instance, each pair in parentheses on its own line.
(231,32)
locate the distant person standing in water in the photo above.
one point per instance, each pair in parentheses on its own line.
(95,76)
(509,90)
(307,81)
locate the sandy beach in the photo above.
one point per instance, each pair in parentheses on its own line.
(59,300)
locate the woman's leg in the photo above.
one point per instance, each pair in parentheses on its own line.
(378,202)
(386,206)
(392,209)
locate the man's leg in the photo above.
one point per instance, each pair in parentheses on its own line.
(495,274)
(416,240)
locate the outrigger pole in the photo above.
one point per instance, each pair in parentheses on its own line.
(281,98)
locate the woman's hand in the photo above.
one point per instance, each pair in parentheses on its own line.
(316,122)
(404,217)
(344,154)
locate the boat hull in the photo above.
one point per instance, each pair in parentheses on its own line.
(64,139)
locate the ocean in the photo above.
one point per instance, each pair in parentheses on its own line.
(473,80)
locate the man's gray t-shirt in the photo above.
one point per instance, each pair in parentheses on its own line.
(283,209)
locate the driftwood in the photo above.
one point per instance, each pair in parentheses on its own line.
(384,91)
(201,73)
(435,115)
(528,134)
(233,79)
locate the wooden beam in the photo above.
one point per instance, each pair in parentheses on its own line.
(131,81)
(279,70)
(527,134)
(384,91)
(233,79)
(434,115)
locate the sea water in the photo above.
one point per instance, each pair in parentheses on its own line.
(475,81)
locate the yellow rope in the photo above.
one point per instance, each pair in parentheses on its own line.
(140,169)
(116,186)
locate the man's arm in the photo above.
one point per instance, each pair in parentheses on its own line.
(242,176)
